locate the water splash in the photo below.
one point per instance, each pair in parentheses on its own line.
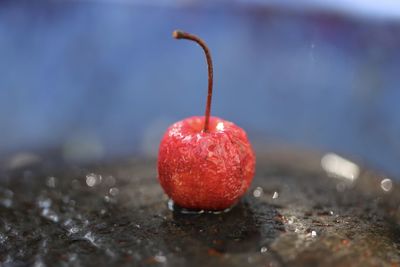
(72,227)
(93,179)
(114,191)
(51,182)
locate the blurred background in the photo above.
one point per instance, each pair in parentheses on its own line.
(104,79)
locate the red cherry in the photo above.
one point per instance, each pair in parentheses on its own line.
(205,163)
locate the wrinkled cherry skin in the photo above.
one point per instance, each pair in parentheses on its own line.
(205,170)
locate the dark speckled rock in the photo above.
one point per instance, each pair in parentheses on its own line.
(55,213)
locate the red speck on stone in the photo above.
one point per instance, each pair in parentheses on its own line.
(214,252)
(205,170)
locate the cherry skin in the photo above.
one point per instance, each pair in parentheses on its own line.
(205,170)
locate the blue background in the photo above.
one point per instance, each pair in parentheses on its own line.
(103,78)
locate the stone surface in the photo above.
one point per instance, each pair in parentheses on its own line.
(54,213)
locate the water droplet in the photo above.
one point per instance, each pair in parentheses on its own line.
(170,204)
(137,226)
(92,179)
(71,226)
(6,196)
(6,203)
(67,222)
(102,211)
(313,234)
(51,182)
(160,258)
(91,238)
(220,126)
(339,167)
(275,195)
(258,192)
(107,199)
(73,257)
(263,249)
(50,215)
(6,193)
(2,238)
(114,191)
(44,203)
(73,230)
(39,263)
(386,185)
(6,226)
(186,211)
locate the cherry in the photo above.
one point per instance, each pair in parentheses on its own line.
(204,162)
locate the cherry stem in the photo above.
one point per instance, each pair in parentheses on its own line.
(184,35)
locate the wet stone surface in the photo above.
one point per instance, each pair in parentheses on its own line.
(60,214)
